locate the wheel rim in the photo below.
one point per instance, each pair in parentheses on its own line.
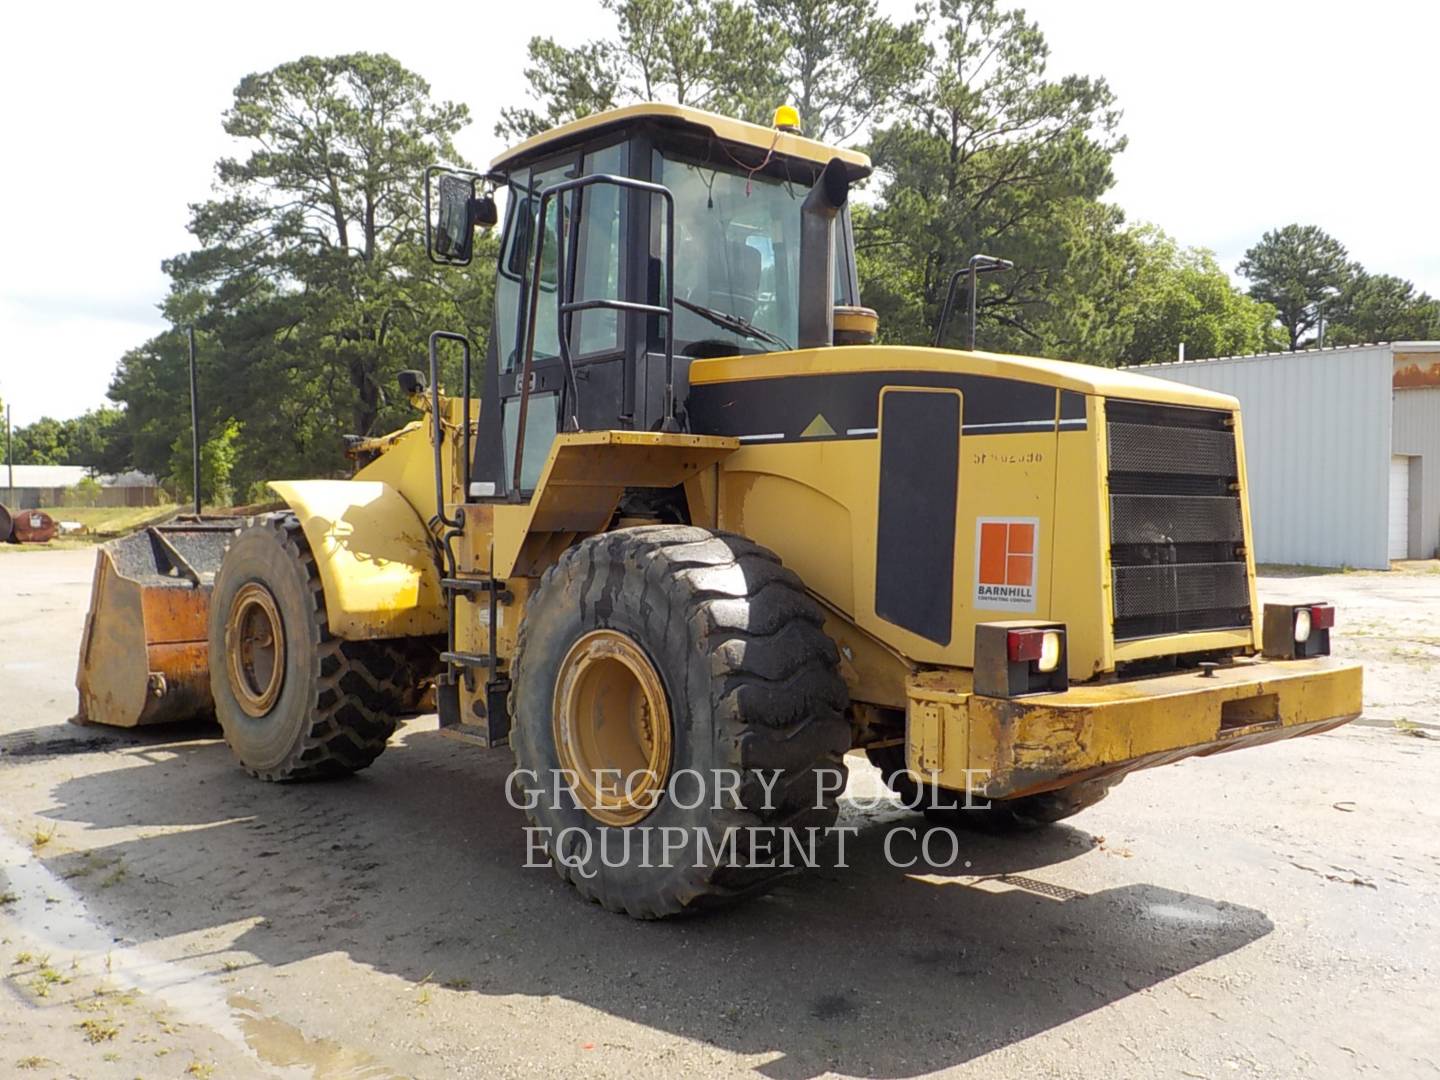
(255,649)
(612,727)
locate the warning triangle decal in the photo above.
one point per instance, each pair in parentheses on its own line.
(818,427)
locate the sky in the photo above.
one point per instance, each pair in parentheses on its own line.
(1242,115)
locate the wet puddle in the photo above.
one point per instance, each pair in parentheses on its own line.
(52,913)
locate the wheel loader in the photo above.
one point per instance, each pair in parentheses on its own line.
(699,535)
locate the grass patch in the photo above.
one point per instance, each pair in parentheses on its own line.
(23,958)
(203,1070)
(34,1061)
(45,980)
(98,1031)
(112,520)
(1283,570)
(114,877)
(41,837)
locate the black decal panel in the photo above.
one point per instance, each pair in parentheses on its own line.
(915,533)
(793,408)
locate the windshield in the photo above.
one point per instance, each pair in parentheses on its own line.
(737,252)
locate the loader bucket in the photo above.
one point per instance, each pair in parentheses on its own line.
(144,658)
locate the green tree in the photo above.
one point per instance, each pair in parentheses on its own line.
(1298,270)
(841,62)
(41,443)
(988,153)
(1382,307)
(1183,295)
(310,287)
(711,55)
(218,455)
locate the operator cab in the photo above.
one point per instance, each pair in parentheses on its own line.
(737,195)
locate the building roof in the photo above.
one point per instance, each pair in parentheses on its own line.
(43,476)
(760,138)
(1393,346)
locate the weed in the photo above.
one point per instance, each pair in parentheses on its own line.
(46,978)
(98,1031)
(34,1061)
(111,1055)
(9,898)
(201,1069)
(456,984)
(231,965)
(22,958)
(41,837)
(113,878)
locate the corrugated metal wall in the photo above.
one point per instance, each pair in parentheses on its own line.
(1417,431)
(1317,445)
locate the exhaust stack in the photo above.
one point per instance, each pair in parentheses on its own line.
(817,255)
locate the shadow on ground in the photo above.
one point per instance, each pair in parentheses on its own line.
(417,866)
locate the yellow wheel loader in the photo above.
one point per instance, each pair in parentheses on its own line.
(700,536)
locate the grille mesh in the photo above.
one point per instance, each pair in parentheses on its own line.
(1179,587)
(1176,527)
(1175,519)
(1169,451)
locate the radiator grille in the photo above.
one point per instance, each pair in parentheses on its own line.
(1176,529)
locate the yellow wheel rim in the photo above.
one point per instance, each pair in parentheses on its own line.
(612,727)
(255,649)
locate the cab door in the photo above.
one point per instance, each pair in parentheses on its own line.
(594,242)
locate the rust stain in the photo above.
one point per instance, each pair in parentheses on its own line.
(1410,374)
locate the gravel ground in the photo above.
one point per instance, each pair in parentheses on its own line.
(1274,912)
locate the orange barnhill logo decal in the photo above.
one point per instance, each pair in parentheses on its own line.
(1006,555)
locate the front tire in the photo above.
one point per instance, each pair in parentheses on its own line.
(295,702)
(693,663)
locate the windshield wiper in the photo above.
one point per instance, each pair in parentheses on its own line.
(734,323)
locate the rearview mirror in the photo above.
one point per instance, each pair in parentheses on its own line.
(455,225)
(452,210)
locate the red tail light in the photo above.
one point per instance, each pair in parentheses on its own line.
(1322,616)
(1024,645)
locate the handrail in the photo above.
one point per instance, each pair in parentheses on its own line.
(978,264)
(437,434)
(452,526)
(563,308)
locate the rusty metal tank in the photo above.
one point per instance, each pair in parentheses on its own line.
(144,657)
(30,527)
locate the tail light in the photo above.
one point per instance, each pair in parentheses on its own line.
(1297,631)
(1022,657)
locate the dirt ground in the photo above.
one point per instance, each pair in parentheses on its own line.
(1274,912)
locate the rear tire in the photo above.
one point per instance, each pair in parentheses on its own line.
(945,807)
(727,652)
(295,702)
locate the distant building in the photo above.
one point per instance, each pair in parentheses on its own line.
(1342,449)
(39,486)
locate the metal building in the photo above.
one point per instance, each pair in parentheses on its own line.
(1342,447)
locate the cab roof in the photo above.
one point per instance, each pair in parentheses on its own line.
(732,131)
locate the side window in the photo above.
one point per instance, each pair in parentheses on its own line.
(517,263)
(598,255)
(511,271)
